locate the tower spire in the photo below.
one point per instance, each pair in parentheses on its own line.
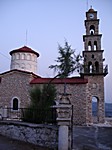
(26,38)
(87,4)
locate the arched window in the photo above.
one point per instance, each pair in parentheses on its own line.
(15,104)
(23,56)
(90,67)
(17,56)
(92,29)
(89,46)
(97,66)
(95,45)
(28,57)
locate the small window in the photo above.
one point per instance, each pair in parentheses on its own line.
(92,30)
(17,56)
(15,104)
(28,57)
(95,45)
(89,46)
(92,56)
(23,56)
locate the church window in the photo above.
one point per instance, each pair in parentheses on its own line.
(89,46)
(15,104)
(92,29)
(90,67)
(22,56)
(28,57)
(17,56)
(92,56)
(97,66)
(95,45)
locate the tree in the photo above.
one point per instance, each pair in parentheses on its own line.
(67,61)
(39,110)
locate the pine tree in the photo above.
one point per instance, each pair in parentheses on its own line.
(67,61)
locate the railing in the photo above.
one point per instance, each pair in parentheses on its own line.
(91,70)
(31,115)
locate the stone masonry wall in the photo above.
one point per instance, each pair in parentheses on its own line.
(15,84)
(78,100)
(95,88)
(42,135)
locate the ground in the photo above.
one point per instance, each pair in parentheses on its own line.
(10,144)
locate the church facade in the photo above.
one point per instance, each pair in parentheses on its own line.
(16,83)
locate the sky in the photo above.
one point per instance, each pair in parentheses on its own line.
(43,24)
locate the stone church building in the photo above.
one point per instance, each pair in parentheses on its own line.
(16,83)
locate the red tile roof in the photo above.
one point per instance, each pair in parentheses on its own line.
(75,80)
(21,71)
(24,49)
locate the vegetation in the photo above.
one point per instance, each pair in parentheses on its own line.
(39,110)
(67,61)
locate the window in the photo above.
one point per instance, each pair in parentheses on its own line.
(90,67)
(92,56)
(23,56)
(28,57)
(92,30)
(89,46)
(17,56)
(15,104)
(95,45)
(97,66)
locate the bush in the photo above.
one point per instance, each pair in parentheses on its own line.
(40,110)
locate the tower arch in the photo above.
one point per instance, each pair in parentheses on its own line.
(92,30)
(89,46)
(95,109)
(95,45)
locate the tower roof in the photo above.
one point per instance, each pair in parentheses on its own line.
(24,49)
(91,10)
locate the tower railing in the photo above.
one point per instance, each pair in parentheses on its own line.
(85,69)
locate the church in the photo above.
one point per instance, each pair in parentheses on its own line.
(16,83)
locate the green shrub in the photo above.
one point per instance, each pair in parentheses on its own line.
(39,110)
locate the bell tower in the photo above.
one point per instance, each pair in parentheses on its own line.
(93,68)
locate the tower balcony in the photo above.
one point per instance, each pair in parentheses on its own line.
(87,70)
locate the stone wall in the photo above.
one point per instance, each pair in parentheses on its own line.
(78,101)
(15,84)
(95,88)
(42,135)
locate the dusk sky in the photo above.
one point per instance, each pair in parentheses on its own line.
(48,23)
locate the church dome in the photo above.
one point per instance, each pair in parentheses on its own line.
(24,49)
(24,59)
(91,10)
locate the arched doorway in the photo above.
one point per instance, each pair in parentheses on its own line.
(95,109)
